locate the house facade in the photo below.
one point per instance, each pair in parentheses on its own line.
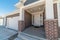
(36,13)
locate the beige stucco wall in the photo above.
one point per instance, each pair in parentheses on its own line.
(58,7)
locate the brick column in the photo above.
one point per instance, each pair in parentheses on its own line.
(51,25)
(21,23)
(51,29)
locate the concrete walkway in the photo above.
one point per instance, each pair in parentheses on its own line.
(32,33)
(39,32)
(6,33)
(24,36)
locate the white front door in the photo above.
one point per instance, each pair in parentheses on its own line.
(37,19)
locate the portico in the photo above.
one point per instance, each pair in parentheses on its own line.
(44,8)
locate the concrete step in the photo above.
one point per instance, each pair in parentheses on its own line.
(18,39)
(25,36)
(58,38)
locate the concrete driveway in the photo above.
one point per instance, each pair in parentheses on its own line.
(6,33)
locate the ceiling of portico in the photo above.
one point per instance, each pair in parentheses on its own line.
(35,9)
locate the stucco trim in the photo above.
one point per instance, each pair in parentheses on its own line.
(13,15)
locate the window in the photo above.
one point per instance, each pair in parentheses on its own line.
(55,11)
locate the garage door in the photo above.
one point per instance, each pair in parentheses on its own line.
(1,22)
(12,23)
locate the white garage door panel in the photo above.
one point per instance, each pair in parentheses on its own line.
(13,23)
(1,22)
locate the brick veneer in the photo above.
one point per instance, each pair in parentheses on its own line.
(21,25)
(51,28)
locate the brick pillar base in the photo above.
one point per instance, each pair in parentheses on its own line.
(51,29)
(21,25)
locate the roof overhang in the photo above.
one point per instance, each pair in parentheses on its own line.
(1,17)
(39,2)
(19,4)
(14,13)
(42,2)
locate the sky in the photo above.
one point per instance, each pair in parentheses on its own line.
(7,6)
